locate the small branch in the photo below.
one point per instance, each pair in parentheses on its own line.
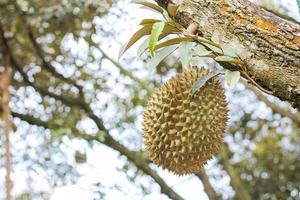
(40,52)
(70,101)
(235,181)
(208,188)
(45,64)
(123,70)
(192,28)
(252,82)
(284,112)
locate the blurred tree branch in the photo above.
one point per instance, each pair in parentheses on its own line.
(123,70)
(104,136)
(276,108)
(240,190)
(143,163)
(4,85)
(40,52)
(208,188)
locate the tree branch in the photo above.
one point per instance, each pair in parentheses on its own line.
(139,161)
(40,52)
(240,190)
(276,108)
(267,44)
(123,70)
(208,188)
(104,138)
(4,84)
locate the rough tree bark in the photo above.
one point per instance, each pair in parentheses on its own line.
(268,44)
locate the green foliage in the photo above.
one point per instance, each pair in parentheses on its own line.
(228,59)
(145,30)
(157,28)
(201,51)
(172,42)
(163,53)
(271,168)
(149,5)
(185,53)
(202,81)
(232,77)
(160,29)
(172,9)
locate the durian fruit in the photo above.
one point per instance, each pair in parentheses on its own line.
(181,130)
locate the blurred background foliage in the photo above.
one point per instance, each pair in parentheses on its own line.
(74,106)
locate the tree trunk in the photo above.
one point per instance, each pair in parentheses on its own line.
(268,44)
(6,119)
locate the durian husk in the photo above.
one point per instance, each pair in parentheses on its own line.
(181,130)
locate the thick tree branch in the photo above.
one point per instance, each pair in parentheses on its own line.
(104,138)
(267,44)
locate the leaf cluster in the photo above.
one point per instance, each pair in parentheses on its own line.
(164,36)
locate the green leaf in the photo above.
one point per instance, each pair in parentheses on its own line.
(232,77)
(225,59)
(194,61)
(143,47)
(228,51)
(176,24)
(201,82)
(213,48)
(185,50)
(172,42)
(145,30)
(200,50)
(149,21)
(172,9)
(149,5)
(168,30)
(157,28)
(160,55)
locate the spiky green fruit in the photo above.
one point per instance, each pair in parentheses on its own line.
(181,130)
